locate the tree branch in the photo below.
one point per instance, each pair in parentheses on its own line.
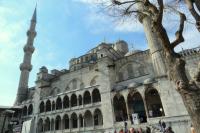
(194,13)
(161,7)
(117,2)
(179,32)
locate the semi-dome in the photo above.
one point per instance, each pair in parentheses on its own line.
(133,52)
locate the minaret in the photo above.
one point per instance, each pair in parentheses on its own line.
(26,66)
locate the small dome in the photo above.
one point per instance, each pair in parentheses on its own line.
(132,52)
(133,85)
(149,81)
(121,41)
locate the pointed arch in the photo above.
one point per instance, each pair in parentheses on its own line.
(58,103)
(40,125)
(88,119)
(53,106)
(80,100)
(87,98)
(24,111)
(96,96)
(41,108)
(154,104)
(66,121)
(30,109)
(58,123)
(73,100)
(98,117)
(48,105)
(120,108)
(66,102)
(74,120)
(81,120)
(47,124)
(52,124)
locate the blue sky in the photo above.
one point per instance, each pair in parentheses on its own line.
(65,29)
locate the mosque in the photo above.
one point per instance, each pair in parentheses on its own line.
(107,89)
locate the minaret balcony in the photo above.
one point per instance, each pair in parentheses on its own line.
(29,48)
(31,33)
(25,66)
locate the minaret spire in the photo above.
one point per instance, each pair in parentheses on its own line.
(26,66)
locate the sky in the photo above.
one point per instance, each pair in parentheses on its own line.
(65,29)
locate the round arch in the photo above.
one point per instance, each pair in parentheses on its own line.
(153,102)
(136,106)
(81,120)
(120,108)
(80,100)
(87,98)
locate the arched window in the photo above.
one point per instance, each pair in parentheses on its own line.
(52,125)
(98,118)
(53,106)
(66,102)
(58,123)
(40,125)
(48,106)
(74,120)
(42,107)
(87,98)
(81,120)
(24,111)
(58,103)
(154,104)
(30,109)
(96,97)
(136,105)
(88,119)
(66,121)
(120,108)
(47,124)
(73,100)
(80,100)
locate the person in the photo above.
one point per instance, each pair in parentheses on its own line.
(192,129)
(148,130)
(121,131)
(169,130)
(131,130)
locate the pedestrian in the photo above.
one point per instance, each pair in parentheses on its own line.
(121,131)
(192,129)
(148,130)
(169,130)
(131,130)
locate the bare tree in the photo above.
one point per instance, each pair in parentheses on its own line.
(194,11)
(188,89)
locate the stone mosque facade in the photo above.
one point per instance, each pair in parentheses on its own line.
(102,90)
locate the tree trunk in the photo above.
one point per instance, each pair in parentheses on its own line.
(190,92)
